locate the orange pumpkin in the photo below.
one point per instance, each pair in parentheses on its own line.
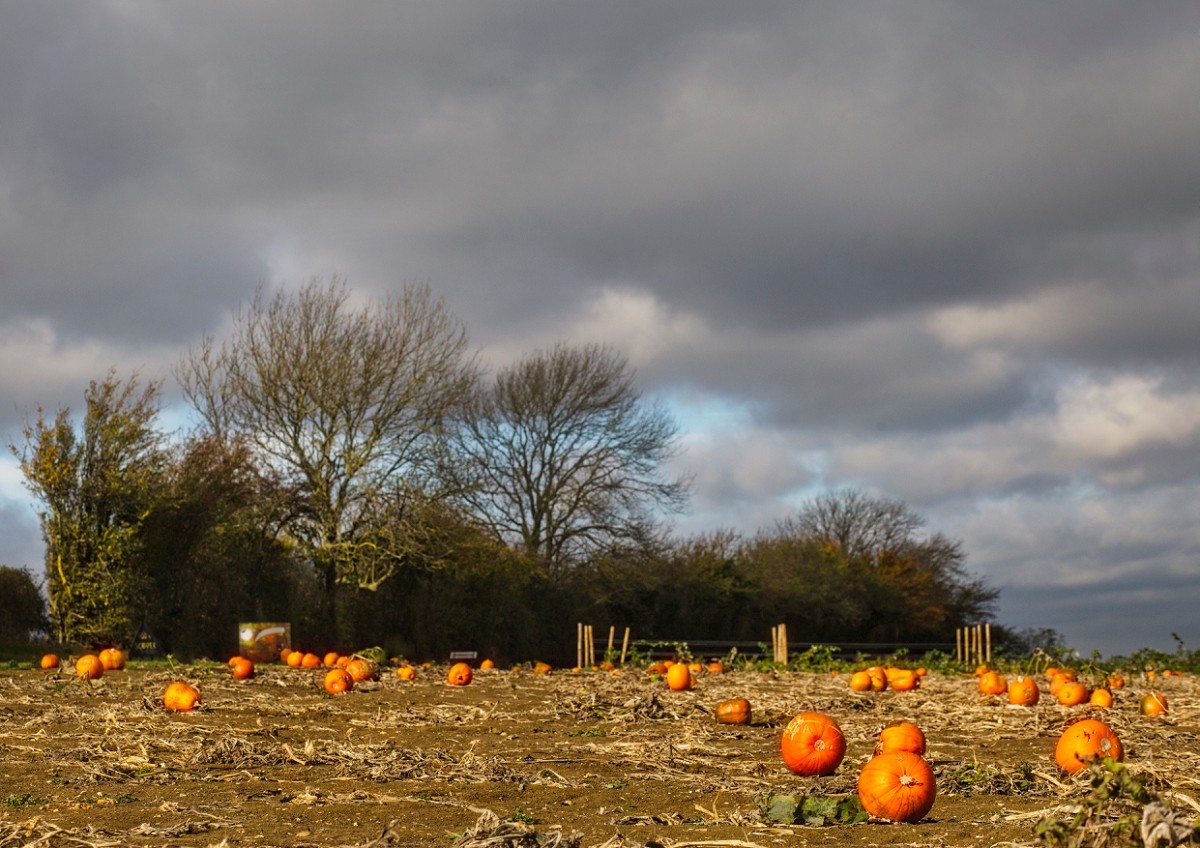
(241,668)
(361,670)
(487,664)
(897,786)
(1101,699)
(459,674)
(879,680)
(1023,691)
(337,681)
(903,679)
(294,658)
(860,681)
(813,744)
(330,659)
(1152,704)
(733,711)
(310,660)
(406,672)
(1116,680)
(113,659)
(1072,693)
(901,736)
(656,669)
(180,697)
(542,668)
(50,662)
(992,683)
(679,677)
(1084,741)
(89,667)
(715,667)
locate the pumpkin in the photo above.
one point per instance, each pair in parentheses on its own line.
(898,786)
(1101,699)
(241,668)
(656,669)
(294,658)
(992,683)
(733,711)
(337,681)
(860,681)
(89,667)
(1072,693)
(361,669)
(901,736)
(50,662)
(813,744)
(310,660)
(487,664)
(903,679)
(406,672)
(879,680)
(679,677)
(459,674)
(330,659)
(715,667)
(1152,704)
(1023,691)
(1116,681)
(1084,741)
(180,697)
(542,668)
(113,659)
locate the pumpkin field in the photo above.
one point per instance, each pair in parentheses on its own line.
(605,757)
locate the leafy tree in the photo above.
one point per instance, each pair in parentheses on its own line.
(211,554)
(562,457)
(911,587)
(96,487)
(23,613)
(344,404)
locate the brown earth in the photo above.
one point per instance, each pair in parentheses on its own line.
(583,759)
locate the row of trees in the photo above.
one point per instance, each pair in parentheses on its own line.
(355,473)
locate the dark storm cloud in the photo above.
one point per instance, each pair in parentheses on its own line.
(946,250)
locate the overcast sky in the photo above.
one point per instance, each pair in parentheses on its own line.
(945,252)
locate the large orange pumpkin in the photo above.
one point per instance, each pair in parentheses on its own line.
(733,711)
(860,681)
(459,674)
(1073,693)
(1084,741)
(338,681)
(180,697)
(50,662)
(813,744)
(1023,691)
(902,679)
(901,736)
(89,667)
(679,677)
(361,670)
(897,786)
(992,683)
(1152,704)
(113,659)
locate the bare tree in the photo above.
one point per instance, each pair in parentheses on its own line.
(858,524)
(561,456)
(345,404)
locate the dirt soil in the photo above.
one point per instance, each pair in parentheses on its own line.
(569,758)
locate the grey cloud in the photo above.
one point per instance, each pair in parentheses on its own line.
(898,228)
